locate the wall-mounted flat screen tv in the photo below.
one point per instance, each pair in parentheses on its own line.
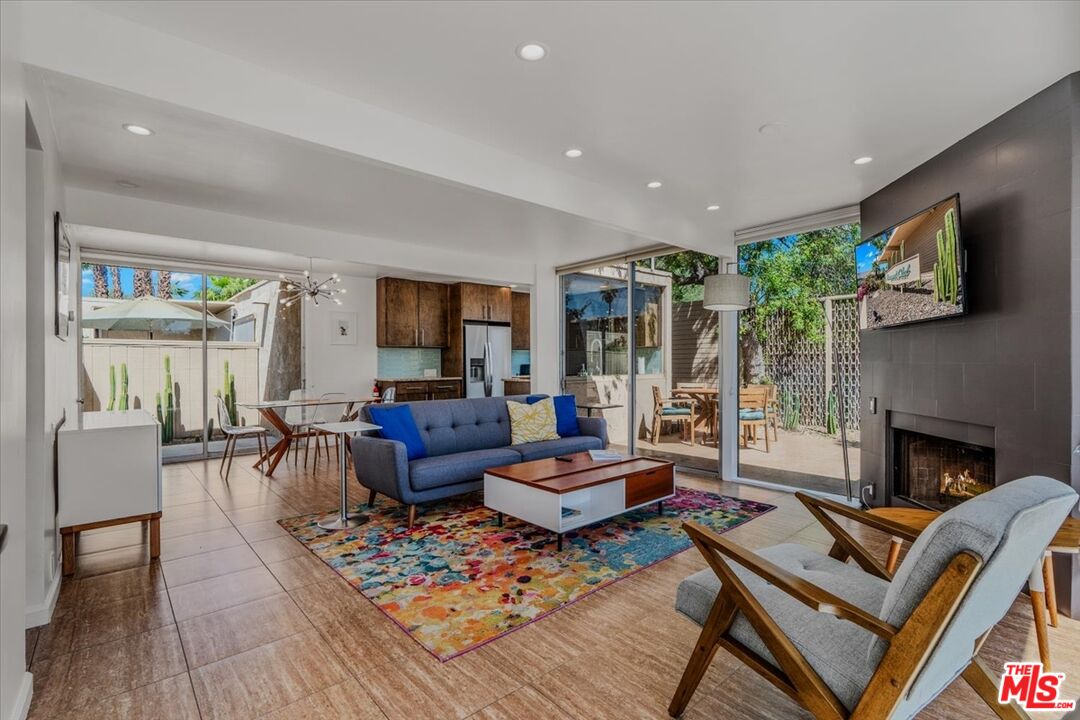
(914,271)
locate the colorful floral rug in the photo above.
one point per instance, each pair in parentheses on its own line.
(457,580)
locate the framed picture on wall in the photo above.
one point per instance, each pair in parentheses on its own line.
(343,328)
(61,278)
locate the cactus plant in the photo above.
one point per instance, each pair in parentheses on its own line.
(790,410)
(830,414)
(228,394)
(123,386)
(946,274)
(166,413)
(112,388)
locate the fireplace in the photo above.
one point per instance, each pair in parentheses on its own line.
(939,473)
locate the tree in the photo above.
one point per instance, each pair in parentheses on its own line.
(142,283)
(688,271)
(101,280)
(117,291)
(225,287)
(164,284)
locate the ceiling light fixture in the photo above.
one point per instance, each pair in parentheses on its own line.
(138,129)
(711,208)
(531,51)
(309,288)
(653,184)
(573,153)
(862,160)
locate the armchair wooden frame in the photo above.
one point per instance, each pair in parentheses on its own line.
(910,645)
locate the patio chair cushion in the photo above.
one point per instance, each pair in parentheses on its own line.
(751,415)
(676,411)
(433,472)
(835,648)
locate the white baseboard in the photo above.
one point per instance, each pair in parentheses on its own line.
(42,614)
(22,703)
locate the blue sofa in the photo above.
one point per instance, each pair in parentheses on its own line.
(463,438)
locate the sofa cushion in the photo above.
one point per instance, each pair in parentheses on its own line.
(562,446)
(432,472)
(835,648)
(398,424)
(531,422)
(566,422)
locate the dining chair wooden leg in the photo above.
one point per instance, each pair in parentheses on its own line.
(1048,581)
(1038,609)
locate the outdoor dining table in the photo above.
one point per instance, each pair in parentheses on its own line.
(707,398)
(269,409)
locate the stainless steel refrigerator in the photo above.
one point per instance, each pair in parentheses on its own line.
(487,359)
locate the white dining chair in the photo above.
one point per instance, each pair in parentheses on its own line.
(233,433)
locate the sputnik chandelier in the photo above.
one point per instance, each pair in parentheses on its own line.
(310,289)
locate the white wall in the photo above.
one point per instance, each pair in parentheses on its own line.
(15,682)
(349,369)
(52,379)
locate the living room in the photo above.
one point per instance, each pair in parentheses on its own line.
(535,360)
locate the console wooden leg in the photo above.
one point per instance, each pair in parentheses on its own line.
(155,537)
(68,552)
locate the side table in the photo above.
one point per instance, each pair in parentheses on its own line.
(344,520)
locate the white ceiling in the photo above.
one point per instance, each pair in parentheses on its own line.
(668,90)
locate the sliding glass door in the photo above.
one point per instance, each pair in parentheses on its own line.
(191,348)
(798,369)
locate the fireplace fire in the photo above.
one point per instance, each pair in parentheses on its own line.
(939,473)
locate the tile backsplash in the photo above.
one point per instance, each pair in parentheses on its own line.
(517,359)
(408,362)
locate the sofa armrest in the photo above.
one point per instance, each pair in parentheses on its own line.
(382,465)
(595,426)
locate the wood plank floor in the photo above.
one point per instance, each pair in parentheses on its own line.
(237,620)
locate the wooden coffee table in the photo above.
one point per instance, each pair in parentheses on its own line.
(563,496)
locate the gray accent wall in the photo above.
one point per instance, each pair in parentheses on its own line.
(1013,363)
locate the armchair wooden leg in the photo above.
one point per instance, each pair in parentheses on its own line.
(412,516)
(983,682)
(894,554)
(719,620)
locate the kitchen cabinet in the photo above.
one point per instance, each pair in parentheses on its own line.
(485,303)
(415,390)
(520,338)
(410,313)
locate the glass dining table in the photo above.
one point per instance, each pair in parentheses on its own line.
(271,411)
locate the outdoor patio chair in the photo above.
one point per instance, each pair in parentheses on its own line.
(772,408)
(852,641)
(682,411)
(753,413)
(233,433)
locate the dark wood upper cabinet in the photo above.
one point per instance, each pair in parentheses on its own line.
(410,313)
(474,301)
(499,304)
(520,338)
(432,304)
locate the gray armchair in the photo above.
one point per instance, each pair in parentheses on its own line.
(849,641)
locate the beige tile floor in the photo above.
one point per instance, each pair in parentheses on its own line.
(238,621)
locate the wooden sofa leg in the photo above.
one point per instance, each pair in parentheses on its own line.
(412,516)
(719,620)
(371,498)
(983,682)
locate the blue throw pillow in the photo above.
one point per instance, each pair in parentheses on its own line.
(531,399)
(566,423)
(398,424)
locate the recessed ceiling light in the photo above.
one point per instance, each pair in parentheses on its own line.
(771,128)
(653,184)
(862,160)
(573,153)
(138,129)
(712,207)
(531,52)
(127,184)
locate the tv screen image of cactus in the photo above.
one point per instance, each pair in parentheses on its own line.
(914,271)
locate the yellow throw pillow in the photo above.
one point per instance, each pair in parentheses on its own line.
(532,423)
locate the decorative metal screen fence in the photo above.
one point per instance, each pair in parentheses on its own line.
(809,370)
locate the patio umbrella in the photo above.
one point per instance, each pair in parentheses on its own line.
(148,314)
